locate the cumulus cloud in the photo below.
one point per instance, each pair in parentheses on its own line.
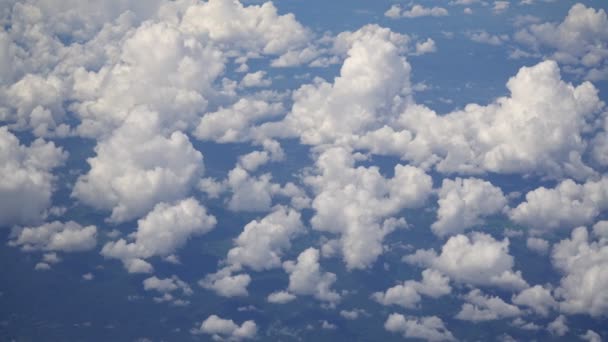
(476,260)
(415,11)
(136,168)
(538,245)
(55,236)
(580,39)
(280,297)
(162,231)
(26,179)
(584,265)
(479,308)
(537,298)
(433,284)
(166,287)
(591,336)
(464,202)
(568,205)
(429,328)
(358,202)
(226,284)
(262,243)
(559,326)
(307,278)
(221,329)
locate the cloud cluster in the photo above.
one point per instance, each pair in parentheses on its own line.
(226,329)
(479,307)
(26,179)
(433,284)
(429,328)
(55,236)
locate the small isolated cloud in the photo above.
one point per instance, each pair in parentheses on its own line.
(433,284)
(479,308)
(55,236)
(415,11)
(484,37)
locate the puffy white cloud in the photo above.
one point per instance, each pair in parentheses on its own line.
(166,287)
(136,167)
(584,264)
(580,39)
(26,181)
(477,260)
(353,314)
(500,6)
(226,284)
(255,79)
(358,202)
(558,327)
(433,284)
(307,278)
(280,297)
(221,328)
(262,243)
(235,123)
(537,298)
(415,11)
(567,205)
(538,245)
(485,308)
(486,38)
(464,202)
(55,236)
(427,46)
(429,328)
(164,229)
(591,336)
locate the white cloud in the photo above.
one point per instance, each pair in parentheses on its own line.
(415,11)
(584,264)
(429,328)
(136,168)
(427,46)
(26,181)
(479,308)
(537,298)
(433,284)
(55,236)
(255,79)
(538,245)
(280,297)
(463,203)
(558,327)
(226,284)
(167,287)
(500,6)
(567,205)
(358,202)
(262,243)
(221,328)
(476,260)
(591,336)
(353,314)
(486,38)
(580,39)
(162,231)
(307,278)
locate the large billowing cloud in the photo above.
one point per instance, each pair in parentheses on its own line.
(476,260)
(26,181)
(584,264)
(358,203)
(580,39)
(137,167)
(166,228)
(464,202)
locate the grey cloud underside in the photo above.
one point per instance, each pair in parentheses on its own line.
(149,84)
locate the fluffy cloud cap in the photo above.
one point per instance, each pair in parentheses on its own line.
(221,328)
(26,182)
(307,278)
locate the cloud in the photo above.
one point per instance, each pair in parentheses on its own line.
(429,328)
(136,168)
(538,245)
(55,236)
(280,297)
(433,284)
(162,231)
(463,203)
(26,181)
(225,284)
(486,38)
(358,202)
(591,336)
(415,11)
(427,46)
(584,265)
(479,308)
(476,260)
(567,205)
(500,6)
(537,298)
(221,329)
(558,327)
(580,39)
(307,278)
(166,287)
(261,243)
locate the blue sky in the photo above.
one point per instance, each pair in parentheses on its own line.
(303,170)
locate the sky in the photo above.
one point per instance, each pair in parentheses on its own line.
(303,170)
